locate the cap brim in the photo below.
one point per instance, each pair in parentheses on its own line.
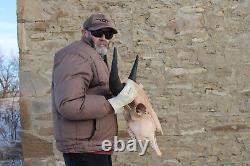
(101,27)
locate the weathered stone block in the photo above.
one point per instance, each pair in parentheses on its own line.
(40,108)
(29,11)
(32,84)
(44,117)
(34,147)
(45,131)
(25,114)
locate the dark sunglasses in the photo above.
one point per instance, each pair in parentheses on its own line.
(99,33)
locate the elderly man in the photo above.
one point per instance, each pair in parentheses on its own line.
(84,111)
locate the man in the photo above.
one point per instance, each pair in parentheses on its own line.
(84,111)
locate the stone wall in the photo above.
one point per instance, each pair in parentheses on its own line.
(194,64)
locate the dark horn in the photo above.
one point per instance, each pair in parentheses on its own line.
(132,75)
(115,84)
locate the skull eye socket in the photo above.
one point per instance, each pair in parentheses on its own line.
(140,108)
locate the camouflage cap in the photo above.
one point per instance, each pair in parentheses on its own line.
(98,21)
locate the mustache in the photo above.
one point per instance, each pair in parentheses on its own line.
(102,43)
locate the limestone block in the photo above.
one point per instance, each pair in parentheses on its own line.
(34,147)
(30,11)
(33,85)
(25,114)
(38,36)
(22,39)
(40,107)
(169,35)
(70,24)
(45,131)
(40,162)
(189,19)
(159,17)
(200,36)
(180,86)
(181,71)
(44,116)
(46,47)
(60,163)
(37,26)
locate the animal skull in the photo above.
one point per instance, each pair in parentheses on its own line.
(141,118)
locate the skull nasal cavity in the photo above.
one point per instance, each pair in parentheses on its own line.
(141,107)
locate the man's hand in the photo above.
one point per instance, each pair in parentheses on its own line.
(126,96)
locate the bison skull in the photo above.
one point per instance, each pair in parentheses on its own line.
(141,118)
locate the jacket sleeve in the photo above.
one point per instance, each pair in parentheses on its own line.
(71,81)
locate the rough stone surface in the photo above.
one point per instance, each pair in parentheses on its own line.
(25,115)
(194,64)
(34,147)
(33,84)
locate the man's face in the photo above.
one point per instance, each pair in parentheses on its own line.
(100,39)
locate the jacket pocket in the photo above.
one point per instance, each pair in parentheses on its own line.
(97,132)
(84,129)
(94,129)
(106,128)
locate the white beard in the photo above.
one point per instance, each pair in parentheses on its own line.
(102,50)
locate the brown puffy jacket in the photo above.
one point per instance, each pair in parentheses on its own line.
(82,116)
